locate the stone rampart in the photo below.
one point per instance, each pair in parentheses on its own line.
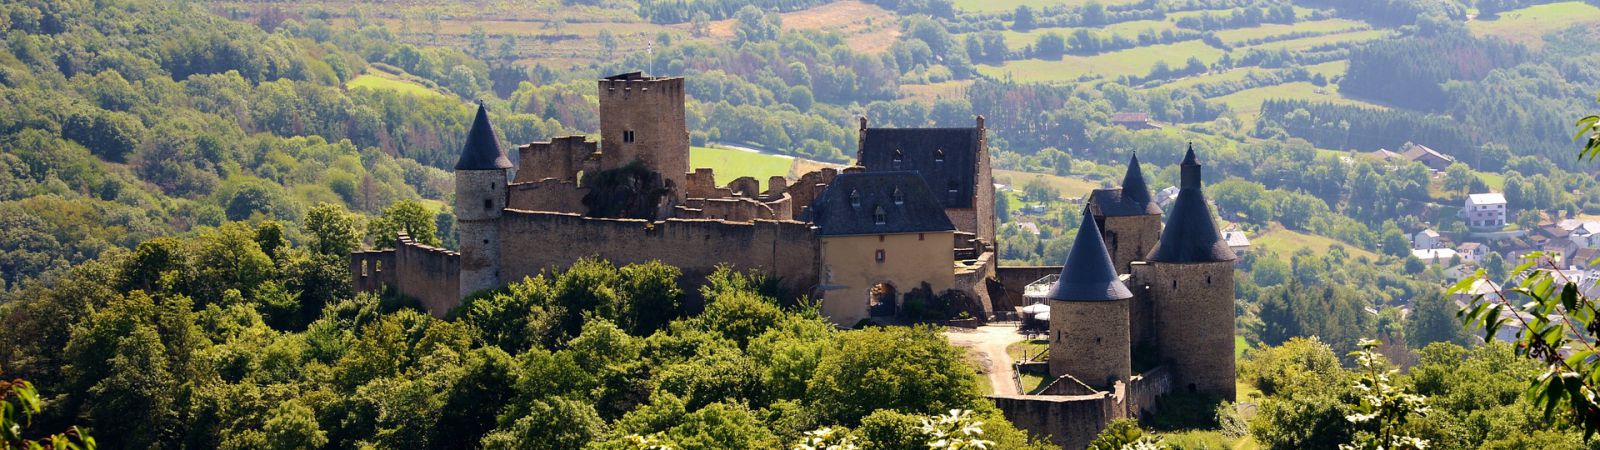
(428,274)
(546,195)
(1070,421)
(537,241)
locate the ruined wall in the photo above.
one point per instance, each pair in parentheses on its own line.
(1071,422)
(737,209)
(1089,341)
(805,190)
(1144,389)
(428,274)
(549,194)
(542,240)
(1014,279)
(643,119)
(974,280)
(983,201)
(560,158)
(371,270)
(1192,323)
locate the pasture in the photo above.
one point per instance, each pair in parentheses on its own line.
(1069,186)
(1529,25)
(982,6)
(1135,61)
(379,80)
(1239,36)
(1247,103)
(1285,242)
(730,164)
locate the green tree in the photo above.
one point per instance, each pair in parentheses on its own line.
(1022,18)
(1432,320)
(1383,409)
(331,230)
(19,403)
(1050,46)
(923,375)
(409,216)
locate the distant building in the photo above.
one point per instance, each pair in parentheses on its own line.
(1583,233)
(1237,241)
(1436,161)
(1472,251)
(1028,227)
(1134,121)
(1433,256)
(1165,196)
(1426,239)
(1485,211)
(1386,155)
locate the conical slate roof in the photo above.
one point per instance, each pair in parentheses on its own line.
(1134,189)
(482,151)
(1132,199)
(1088,275)
(1190,235)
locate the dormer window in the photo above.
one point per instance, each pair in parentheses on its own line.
(953,187)
(879,217)
(899,155)
(938,155)
(855,198)
(899,197)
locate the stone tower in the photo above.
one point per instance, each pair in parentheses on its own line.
(1189,279)
(642,119)
(1089,315)
(1129,220)
(480,199)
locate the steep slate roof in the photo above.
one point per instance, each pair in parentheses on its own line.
(1132,199)
(1190,235)
(1419,151)
(482,150)
(918,151)
(1088,275)
(836,214)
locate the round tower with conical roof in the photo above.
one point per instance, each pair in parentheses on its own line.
(1129,220)
(1189,278)
(1089,315)
(480,200)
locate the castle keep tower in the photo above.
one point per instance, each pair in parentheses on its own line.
(1189,280)
(1129,220)
(642,119)
(954,161)
(480,198)
(1089,315)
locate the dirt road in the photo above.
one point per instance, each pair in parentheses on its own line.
(990,342)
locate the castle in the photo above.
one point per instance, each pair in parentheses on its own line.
(916,211)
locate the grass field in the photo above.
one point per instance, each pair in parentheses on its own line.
(1130,30)
(1136,61)
(730,164)
(380,80)
(931,92)
(1247,103)
(867,28)
(1286,242)
(1011,5)
(1308,42)
(1529,25)
(1069,186)
(1020,351)
(1213,77)
(1239,36)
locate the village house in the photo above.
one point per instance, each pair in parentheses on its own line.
(1237,241)
(1472,252)
(1435,161)
(1485,211)
(1134,121)
(1433,256)
(1426,239)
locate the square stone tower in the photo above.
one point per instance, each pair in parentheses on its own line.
(642,119)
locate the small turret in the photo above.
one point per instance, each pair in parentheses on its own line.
(480,200)
(1130,222)
(1191,234)
(1089,315)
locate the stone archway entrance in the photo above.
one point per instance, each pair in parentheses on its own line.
(882,300)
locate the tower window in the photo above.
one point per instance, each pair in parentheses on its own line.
(488,204)
(899,197)
(1174,285)
(855,198)
(879,217)
(878,256)
(627,136)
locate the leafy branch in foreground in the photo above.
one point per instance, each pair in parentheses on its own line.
(19,402)
(1555,325)
(1589,132)
(1384,407)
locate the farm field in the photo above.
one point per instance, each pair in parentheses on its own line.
(1247,103)
(1069,186)
(1136,62)
(730,164)
(380,80)
(1235,74)
(868,28)
(1529,25)
(1011,5)
(931,92)
(1308,43)
(1285,242)
(1239,36)
(1130,30)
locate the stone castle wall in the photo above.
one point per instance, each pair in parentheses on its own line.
(544,240)
(1145,389)
(425,273)
(1014,279)
(561,158)
(1089,340)
(1182,296)
(643,120)
(1130,238)
(1071,422)
(548,194)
